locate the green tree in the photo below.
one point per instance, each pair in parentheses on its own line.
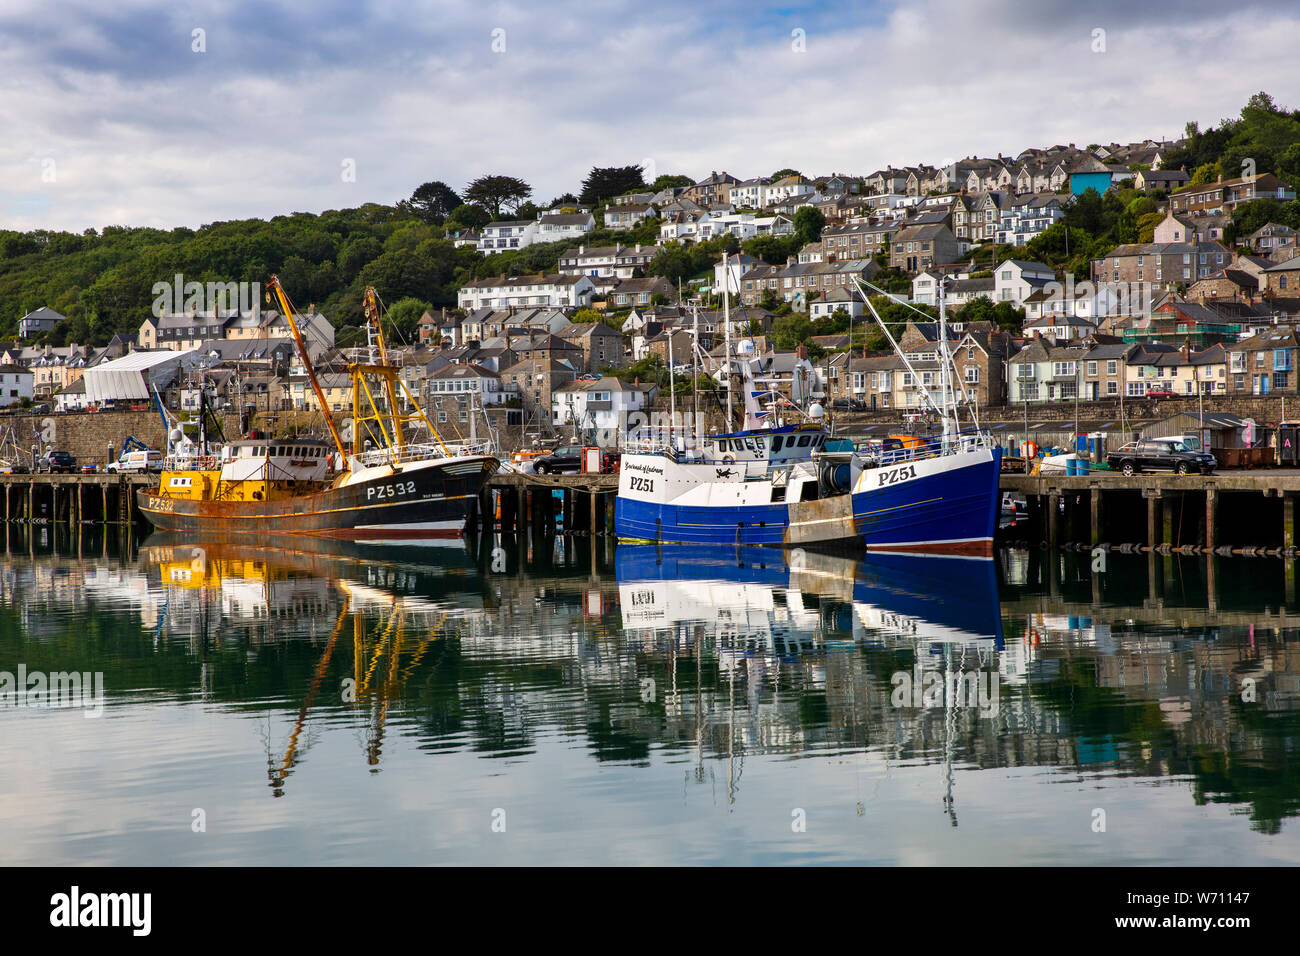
(434,201)
(468,216)
(496,192)
(671,182)
(402,320)
(809,221)
(606,182)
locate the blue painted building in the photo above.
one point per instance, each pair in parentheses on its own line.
(1089,173)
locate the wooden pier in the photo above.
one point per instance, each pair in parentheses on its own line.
(1226,512)
(512,503)
(71,499)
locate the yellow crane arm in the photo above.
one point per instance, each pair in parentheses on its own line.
(287,309)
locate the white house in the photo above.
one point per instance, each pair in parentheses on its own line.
(1015,280)
(749,194)
(513,234)
(1061,328)
(478,384)
(554,227)
(500,292)
(1025,217)
(836,300)
(601,405)
(607,261)
(16,383)
(784,189)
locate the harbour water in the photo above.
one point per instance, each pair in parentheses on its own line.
(501,702)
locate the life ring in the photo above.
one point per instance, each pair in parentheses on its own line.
(728,459)
(1031,449)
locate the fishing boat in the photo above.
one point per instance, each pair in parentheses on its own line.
(384,486)
(795,485)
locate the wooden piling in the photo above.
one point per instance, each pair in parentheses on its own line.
(1211,509)
(1288,520)
(1053,519)
(1096,516)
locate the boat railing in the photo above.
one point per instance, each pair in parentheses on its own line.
(420,452)
(933,448)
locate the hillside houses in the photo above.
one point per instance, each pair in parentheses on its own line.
(556,290)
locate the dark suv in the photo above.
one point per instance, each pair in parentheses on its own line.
(55,461)
(1152,454)
(569,459)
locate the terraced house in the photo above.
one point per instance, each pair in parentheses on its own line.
(916,248)
(1162,264)
(555,290)
(1264,364)
(857,240)
(1227,194)
(1043,372)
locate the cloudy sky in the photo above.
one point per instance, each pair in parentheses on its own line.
(122,114)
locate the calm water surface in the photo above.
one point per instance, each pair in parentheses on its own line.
(271,703)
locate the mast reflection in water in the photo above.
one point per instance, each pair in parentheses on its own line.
(324,702)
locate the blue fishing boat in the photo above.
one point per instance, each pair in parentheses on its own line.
(795,485)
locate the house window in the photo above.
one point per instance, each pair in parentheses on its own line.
(1092,369)
(972,374)
(1112,388)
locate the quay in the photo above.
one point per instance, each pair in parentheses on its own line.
(71,499)
(1225,512)
(512,502)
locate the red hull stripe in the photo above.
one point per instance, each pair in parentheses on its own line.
(970,549)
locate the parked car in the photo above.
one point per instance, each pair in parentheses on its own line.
(848,405)
(1154,454)
(136,462)
(56,461)
(568,459)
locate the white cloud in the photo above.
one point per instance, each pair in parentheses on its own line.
(142,131)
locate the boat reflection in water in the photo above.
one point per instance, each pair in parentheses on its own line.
(649,704)
(300,584)
(764,608)
(936,599)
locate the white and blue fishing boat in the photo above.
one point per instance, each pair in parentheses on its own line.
(775,484)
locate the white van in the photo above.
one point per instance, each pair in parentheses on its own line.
(136,461)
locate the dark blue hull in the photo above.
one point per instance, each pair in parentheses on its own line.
(647,521)
(953,512)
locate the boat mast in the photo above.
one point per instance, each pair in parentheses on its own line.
(287,310)
(695,372)
(376,334)
(672,395)
(726,320)
(945,379)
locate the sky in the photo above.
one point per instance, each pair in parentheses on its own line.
(153,113)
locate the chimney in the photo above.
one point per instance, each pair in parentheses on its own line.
(802,352)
